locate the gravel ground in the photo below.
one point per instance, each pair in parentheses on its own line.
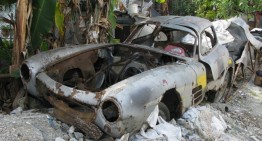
(29,125)
(243,113)
(242,116)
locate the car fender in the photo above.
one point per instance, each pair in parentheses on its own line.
(144,91)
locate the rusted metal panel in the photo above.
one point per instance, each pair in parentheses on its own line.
(196,23)
(81,120)
(65,91)
(143,91)
(39,62)
(218,60)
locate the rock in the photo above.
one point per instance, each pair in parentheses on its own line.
(66,137)
(64,127)
(107,139)
(81,139)
(71,135)
(193,137)
(52,122)
(78,135)
(59,139)
(17,110)
(73,139)
(71,129)
(254,138)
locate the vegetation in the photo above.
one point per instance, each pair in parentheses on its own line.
(213,9)
(183,7)
(43,19)
(5,55)
(7,2)
(216,9)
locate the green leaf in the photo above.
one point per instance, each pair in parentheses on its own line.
(43,18)
(44,46)
(59,19)
(112,19)
(15,73)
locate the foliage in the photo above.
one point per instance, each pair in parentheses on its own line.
(5,55)
(59,19)
(6,27)
(219,9)
(7,2)
(183,7)
(43,19)
(112,19)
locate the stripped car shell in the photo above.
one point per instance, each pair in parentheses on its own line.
(124,83)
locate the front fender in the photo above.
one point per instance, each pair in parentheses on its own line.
(136,97)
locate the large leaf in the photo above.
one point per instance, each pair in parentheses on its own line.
(43,18)
(112,19)
(59,19)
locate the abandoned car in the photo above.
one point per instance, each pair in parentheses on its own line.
(170,61)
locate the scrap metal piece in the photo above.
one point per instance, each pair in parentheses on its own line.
(81,120)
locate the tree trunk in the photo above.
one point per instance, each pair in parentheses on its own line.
(19,33)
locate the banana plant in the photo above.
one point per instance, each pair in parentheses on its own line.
(42,21)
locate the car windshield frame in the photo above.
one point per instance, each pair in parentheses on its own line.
(151,36)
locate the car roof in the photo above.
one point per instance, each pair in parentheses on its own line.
(196,23)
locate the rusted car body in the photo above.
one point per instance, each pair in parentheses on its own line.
(123,83)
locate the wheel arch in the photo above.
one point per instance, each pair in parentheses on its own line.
(172,99)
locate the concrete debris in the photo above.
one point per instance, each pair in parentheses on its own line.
(52,122)
(73,139)
(17,110)
(198,123)
(78,135)
(71,130)
(64,127)
(59,139)
(204,121)
(27,126)
(125,137)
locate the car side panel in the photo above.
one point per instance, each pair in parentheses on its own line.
(217,59)
(144,91)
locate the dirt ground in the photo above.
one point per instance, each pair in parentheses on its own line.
(244,112)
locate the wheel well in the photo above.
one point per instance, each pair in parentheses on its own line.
(69,73)
(209,71)
(173,101)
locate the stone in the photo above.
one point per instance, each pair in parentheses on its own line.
(66,137)
(59,139)
(52,122)
(71,135)
(78,135)
(17,110)
(64,127)
(73,139)
(71,129)
(254,138)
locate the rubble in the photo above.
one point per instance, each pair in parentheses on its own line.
(198,123)
(207,122)
(28,125)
